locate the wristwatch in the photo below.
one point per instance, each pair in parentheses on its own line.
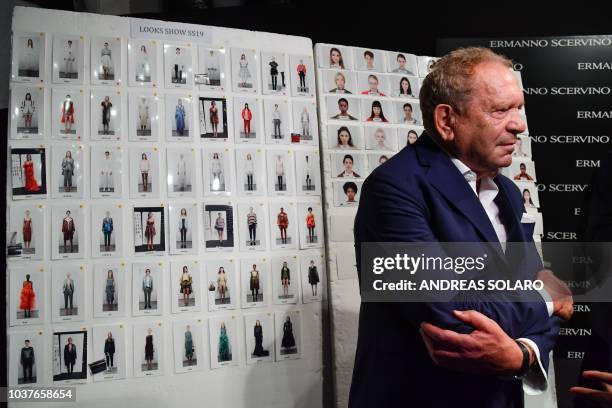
(526,359)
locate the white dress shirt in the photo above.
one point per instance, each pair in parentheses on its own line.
(535,381)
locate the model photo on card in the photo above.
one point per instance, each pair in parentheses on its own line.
(213,118)
(183,228)
(408,113)
(521,170)
(68,167)
(67,113)
(276,114)
(288,335)
(424,64)
(530,195)
(144,172)
(369,60)
(149,349)
(305,128)
(412,135)
(178,66)
(67,227)
(106,171)
(144,119)
(380,138)
(25,235)
(377,111)
(222,284)
(142,56)
(181,165)
(106,60)
(244,70)
(68,62)
(27,293)
(259,331)
(218,226)
(28,172)
(110,283)
(404,86)
(223,332)
(342,108)
(68,292)
(285,279)
(339,82)
(147,288)
(149,230)
(282,226)
(346,193)
(345,165)
(27,112)
(252,226)
(109,346)
(253,281)
(185,286)
(372,84)
(311,227)
(69,356)
(250,171)
(335,56)
(344,137)
(107,230)
(375,160)
(179,111)
(247,116)
(28,57)
(217,171)
(211,73)
(106,115)
(188,345)
(402,63)
(311,272)
(307,172)
(274,70)
(522,147)
(280,172)
(26,358)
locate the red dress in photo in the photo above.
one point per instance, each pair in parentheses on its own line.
(68,112)
(30,179)
(27,298)
(27,230)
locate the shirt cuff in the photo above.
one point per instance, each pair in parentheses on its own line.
(535,381)
(549,302)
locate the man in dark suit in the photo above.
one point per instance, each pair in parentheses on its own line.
(70,356)
(446,188)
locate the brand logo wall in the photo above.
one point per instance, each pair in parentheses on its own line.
(162,30)
(567,87)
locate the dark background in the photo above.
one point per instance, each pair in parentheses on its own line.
(412,27)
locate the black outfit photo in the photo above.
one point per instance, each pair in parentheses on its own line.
(109,352)
(70,356)
(259,351)
(27,362)
(274,73)
(288,339)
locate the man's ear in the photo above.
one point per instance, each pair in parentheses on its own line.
(444,121)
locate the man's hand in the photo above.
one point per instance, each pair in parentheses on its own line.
(604,397)
(487,350)
(563,304)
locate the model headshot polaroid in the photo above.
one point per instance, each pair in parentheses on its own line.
(106,171)
(344,137)
(372,84)
(148,281)
(218,226)
(408,113)
(367,59)
(149,230)
(375,160)
(106,60)
(68,62)
(27,112)
(28,172)
(185,288)
(67,169)
(346,193)
(254,281)
(178,66)
(377,111)
(402,63)
(67,113)
(28,57)
(26,231)
(274,73)
(212,115)
(211,73)
(143,117)
(67,231)
(110,284)
(222,284)
(27,293)
(244,70)
(69,357)
(247,117)
(339,82)
(143,70)
(343,108)
(107,115)
(149,349)
(381,138)
(335,56)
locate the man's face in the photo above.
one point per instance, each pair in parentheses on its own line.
(340,82)
(350,194)
(401,62)
(487,129)
(343,106)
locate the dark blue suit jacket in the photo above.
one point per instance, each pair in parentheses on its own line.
(420,196)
